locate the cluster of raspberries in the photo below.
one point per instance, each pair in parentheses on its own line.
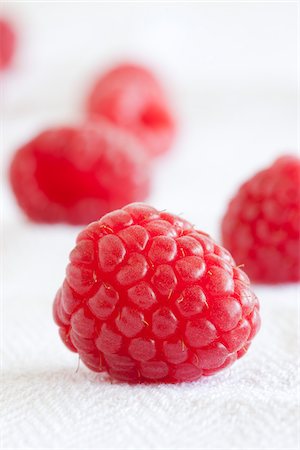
(147,297)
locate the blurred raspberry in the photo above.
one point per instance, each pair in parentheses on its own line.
(261,225)
(7,43)
(76,175)
(148,298)
(131,97)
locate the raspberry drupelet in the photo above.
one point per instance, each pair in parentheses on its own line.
(131,97)
(261,227)
(148,298)
(75,175)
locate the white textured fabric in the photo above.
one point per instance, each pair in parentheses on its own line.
(49,403)
(235,89)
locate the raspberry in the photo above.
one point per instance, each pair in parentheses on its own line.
(148,298)
(131,97)
(7,44)
(261,225)
(75,175)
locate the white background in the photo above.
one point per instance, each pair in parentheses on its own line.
(231,72)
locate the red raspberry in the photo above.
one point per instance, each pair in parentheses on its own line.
(77,175)
(131,97)
(7,44)
(149,298)
(261,225)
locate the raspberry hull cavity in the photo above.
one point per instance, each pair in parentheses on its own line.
(147,298)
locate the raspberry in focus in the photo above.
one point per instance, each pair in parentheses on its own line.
(261,225)
(131,97)
(76,175)
(148,298)
(7,43)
